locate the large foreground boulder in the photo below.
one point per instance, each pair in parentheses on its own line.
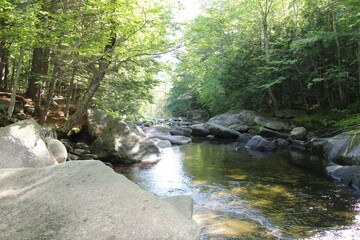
(118,143)
(84,200)
(22,145)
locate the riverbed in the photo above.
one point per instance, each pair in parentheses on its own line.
(241,194)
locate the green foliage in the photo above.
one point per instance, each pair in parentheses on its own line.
(129,35)
(313,121)
(261,54)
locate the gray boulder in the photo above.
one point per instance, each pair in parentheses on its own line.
(267,132)
(199,130)
(221,131)
(181,131)
(276,125)
(157,130)
(161,143)
(260,144)
(349,175)
(298,133)
(178,140)
(96,122)
(84,200)
(342,149)
(245,120)
(22,145)
(57,149)
(244,117)
(118,143)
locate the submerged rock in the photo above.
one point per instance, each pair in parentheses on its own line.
(261,144)
(85,200)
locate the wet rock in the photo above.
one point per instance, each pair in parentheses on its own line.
(260,144)
(281,142)
(221,131)
(157,130)
(181,131)
(199,130)
(244,137)
(161,143)
(298,133)
(349,175)
(266,132)
(81,145)
(342,149)
(178,140)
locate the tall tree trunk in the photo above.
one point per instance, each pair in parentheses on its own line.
(51,90)
(4,64)
(340,84)
(39,70)
(15,83)
(70,91)
(265,11)
(358,60)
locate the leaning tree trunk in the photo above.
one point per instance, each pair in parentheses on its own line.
(84,103)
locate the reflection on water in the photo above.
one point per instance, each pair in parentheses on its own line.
(240,194)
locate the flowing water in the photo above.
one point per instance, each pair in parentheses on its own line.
(239,194)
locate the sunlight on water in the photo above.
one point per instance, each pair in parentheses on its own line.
(242,195)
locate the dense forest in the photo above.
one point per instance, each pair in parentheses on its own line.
(260,55)
(93,52)
(267,55)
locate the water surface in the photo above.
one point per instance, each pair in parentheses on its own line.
(240,194)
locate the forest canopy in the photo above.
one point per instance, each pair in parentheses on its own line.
(268,55)
(260,55)
(102,52)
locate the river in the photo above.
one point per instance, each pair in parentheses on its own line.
(240,194)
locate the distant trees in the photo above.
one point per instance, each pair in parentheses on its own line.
(71,47)
(271,54)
